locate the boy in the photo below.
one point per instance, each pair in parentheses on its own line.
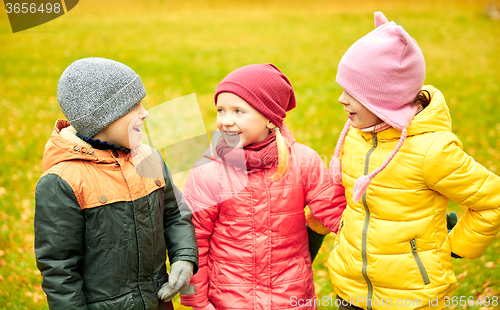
(106,209)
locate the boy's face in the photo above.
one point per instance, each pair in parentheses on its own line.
(125,131)
(239,123)
(360,116)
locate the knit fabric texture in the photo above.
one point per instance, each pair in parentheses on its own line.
(102,145)
(95,92)
(264,87)
(384,71)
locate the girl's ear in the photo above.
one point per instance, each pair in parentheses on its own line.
(270,125)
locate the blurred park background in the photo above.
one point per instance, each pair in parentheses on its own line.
(184,47)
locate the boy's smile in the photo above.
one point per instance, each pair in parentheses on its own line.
(125,131)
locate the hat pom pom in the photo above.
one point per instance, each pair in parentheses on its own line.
(360,187)
(336,170)
(380,19)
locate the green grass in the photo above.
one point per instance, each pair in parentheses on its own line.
(184,47)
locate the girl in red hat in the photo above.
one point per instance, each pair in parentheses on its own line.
(248,196)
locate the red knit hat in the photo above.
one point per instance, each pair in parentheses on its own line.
(264,87)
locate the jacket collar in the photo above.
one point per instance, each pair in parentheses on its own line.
(64,145)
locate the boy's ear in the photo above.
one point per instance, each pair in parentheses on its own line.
(270,125)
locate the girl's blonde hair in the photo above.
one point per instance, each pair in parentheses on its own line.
(283,156)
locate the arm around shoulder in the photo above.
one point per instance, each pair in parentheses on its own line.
(456,175)
(59,233)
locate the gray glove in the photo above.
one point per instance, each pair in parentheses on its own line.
(180,275)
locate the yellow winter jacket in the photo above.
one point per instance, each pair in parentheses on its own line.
(393,247)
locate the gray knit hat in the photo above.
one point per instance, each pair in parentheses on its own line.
(95,92)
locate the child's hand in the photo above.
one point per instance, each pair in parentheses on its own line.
(315,242)
(180,275)
(451,220)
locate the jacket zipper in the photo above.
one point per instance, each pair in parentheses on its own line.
(420,265)
(364,268)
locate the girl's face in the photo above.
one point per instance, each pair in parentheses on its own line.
(360,116)
(239,123)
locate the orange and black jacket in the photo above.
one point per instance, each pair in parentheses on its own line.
(103,222)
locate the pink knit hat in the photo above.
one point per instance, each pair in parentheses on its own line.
(264,87)
(384,71)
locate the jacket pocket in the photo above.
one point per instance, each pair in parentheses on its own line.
(308,276)
(420,265)
(123,302)
(161,280)
(337,239)
(214,293)
(336,244)
(340,226)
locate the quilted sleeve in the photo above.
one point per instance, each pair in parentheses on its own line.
(325,199)
(205,210)
(59,234)
(451,172)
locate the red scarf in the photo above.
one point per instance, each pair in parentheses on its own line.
(261,155)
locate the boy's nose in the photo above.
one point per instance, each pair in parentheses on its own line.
(144,114)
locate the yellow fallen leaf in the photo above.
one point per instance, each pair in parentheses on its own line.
(487,283)
(489,291)
(462,275)
(490,265)
(38,297)
(321,273)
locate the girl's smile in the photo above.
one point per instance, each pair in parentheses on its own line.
(239,123)
(360,116)
(232,138)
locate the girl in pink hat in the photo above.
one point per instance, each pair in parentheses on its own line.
(400,164)
(248,196)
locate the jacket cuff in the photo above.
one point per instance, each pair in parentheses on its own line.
(188,258)
(314,224)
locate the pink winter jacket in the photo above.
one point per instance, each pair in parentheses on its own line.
(251,231)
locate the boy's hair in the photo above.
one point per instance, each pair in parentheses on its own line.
(95,92)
